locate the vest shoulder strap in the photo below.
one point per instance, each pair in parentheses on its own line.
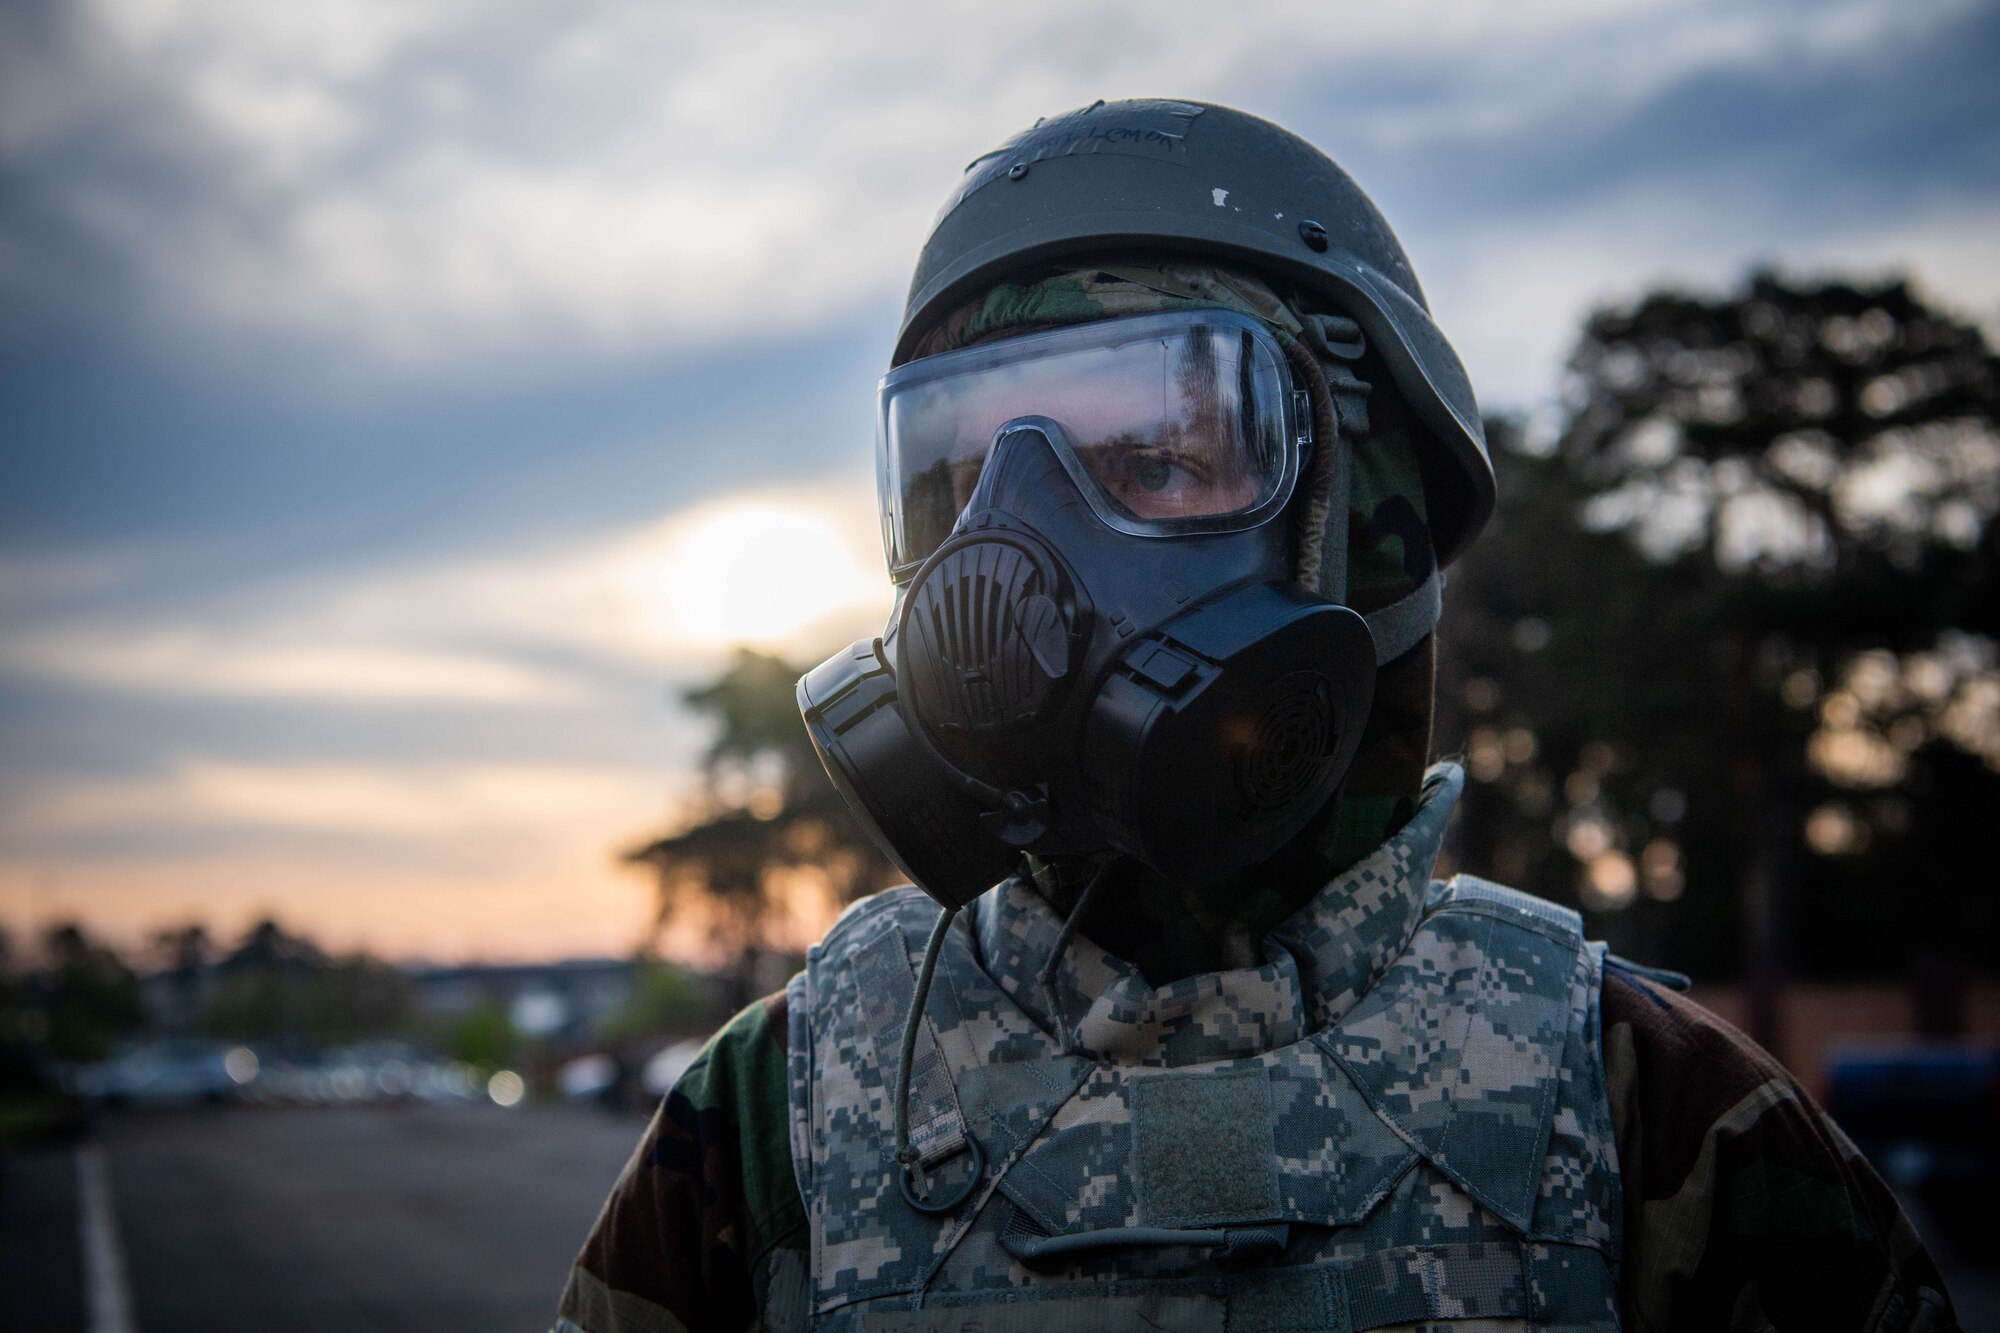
(1462,1044)
(1470,891)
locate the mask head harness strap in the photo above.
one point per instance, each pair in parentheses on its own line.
(1340,412)
(1331,473)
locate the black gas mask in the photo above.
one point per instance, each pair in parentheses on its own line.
(1097,644)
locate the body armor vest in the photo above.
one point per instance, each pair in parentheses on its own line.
(1400,1117)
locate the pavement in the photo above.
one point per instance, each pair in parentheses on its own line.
(356,1218)
(41,1263)
(388,1218)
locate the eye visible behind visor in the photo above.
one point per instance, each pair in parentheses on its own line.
(1180,421)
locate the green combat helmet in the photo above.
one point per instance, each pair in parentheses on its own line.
(1191,178)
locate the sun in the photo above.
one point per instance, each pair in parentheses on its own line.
(761,574)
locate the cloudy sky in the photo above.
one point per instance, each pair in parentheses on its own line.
(401,402)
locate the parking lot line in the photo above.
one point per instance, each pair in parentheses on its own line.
(107,1296)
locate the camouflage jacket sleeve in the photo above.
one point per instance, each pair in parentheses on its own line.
(1746,1208)
(704,1226)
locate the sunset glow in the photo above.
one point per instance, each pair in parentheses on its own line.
(761,574)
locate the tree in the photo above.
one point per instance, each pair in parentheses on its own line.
(182,954)
(275,985)
(665,1000)
(773,846)
(86,996)
(1729,646)
(483,1035)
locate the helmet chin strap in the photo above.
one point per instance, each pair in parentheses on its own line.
(1403,623)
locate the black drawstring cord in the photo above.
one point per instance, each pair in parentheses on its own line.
(1063,937)
(906,1156)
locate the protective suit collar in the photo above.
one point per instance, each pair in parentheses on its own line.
(1317,963)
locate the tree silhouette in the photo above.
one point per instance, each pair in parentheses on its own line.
(774,845)
(182,955)
(1731,636)
(86,997)
(277,986)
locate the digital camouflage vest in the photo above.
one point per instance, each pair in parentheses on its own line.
(1399,1117)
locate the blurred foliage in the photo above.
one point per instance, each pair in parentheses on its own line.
(82,1001)
(75,1004)
(19,1070)
(277,986)
(31,1098)
(773,841)
(483,1035)
(758,732)
(665,999)
(1723,668)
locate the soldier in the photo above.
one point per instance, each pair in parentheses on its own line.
(1172,457)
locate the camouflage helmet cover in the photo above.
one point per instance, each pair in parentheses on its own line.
(1180,178)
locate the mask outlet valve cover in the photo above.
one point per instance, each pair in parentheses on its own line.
(990,629)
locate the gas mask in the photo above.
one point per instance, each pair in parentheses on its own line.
(1097,645)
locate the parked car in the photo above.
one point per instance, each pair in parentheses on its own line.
(178,1071)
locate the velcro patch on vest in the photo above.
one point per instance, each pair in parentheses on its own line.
(1288,1300)
(1333,1158)
(1202,1146)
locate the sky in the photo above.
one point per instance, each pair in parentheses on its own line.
(401,404)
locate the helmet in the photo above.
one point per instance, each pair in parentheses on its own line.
(1171,177)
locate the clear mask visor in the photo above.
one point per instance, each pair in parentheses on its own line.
(1176,422)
